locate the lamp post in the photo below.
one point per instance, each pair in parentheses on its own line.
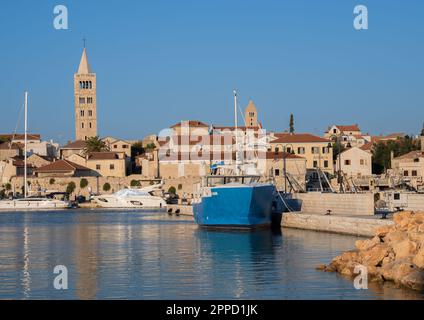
(285,164)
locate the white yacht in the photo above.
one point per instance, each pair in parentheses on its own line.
(132,198)
(32,203)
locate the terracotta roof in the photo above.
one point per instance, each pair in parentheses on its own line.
(232,128)
(61,166)
(412,155)
(353,127)
(191,123)
(19,161)
(282,155)
(103,155)
(78,144)
(8,145)
(297,138)
(392,136)
(367,146)
(20,136)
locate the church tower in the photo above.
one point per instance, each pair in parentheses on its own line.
(251,115)
(85,100)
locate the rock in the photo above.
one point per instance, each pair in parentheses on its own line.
(402,216)
(414,280)
(383,231)
(419,259)
(396,236)
(397,270)
(375,256)
(367,244)
(417,237)
(404,249)
(321,267)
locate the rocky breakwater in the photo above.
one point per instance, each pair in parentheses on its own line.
(395,253)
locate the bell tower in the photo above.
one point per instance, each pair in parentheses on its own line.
(85,100)
(251,115)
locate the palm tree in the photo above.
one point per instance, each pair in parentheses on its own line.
(95,144)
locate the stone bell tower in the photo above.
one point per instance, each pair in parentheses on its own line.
(85,100)
(251,115)
(422,138)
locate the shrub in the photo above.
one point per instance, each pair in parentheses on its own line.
(106,187)
(135,183)
(172,190)
(71,187)
(83,183)
(8,186)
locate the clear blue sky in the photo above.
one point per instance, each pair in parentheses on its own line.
(158,62)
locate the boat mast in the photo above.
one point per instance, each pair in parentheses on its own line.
(25,147)
(236,132)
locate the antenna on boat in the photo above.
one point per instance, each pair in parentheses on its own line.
(25,147)
(236,131)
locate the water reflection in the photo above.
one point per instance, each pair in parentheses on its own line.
(128,255)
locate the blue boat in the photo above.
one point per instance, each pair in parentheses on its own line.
(240,204)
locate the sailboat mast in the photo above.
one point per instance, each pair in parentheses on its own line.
(236,131)
(25,147)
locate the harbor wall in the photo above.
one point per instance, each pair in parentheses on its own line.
(337,224)
(339,203)
(413,201)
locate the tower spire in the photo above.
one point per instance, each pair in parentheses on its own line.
(84,66)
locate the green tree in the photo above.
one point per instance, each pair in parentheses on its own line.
(137,149)
(95,144)
(83,183)
(106,187)
(151,146)
(172,190)
(291,123)
(135,183)
(338,148)
(382,152)
(71,187)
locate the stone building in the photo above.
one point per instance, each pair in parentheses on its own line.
(118,145)
(105,164)
(410,167)
(355,163)
(316,150)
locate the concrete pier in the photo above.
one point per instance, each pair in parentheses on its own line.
(356,204)
(185,210)
(352,225)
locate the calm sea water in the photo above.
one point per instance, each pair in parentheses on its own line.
(133,255)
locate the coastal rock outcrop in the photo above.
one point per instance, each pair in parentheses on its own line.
(395,253)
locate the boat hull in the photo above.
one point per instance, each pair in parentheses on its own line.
(11,205)
(245,206)
(112,202)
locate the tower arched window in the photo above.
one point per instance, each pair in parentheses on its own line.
(90,85)
(82,125)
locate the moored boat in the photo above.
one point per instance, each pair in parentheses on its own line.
(244,203)
(132,198)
